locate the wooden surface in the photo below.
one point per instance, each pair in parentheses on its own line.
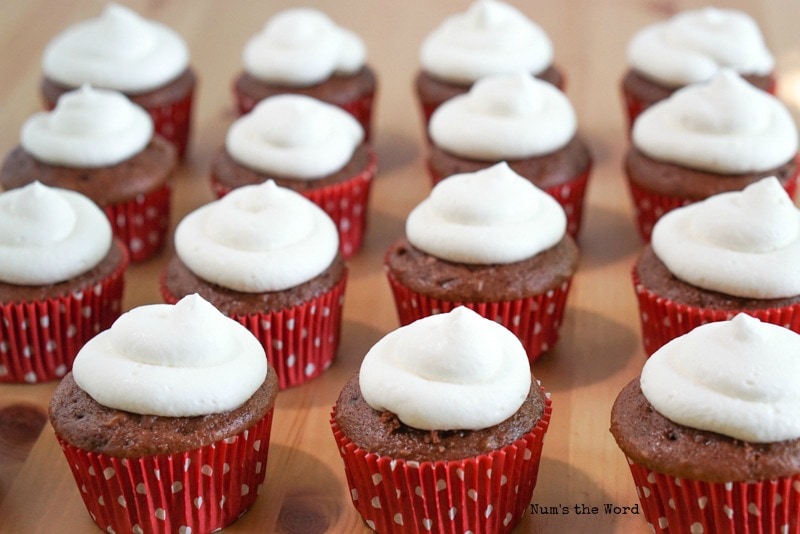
(600,348)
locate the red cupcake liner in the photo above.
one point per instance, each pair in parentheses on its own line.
(173,120)
(142,222)
(484,494)
(535,320)
(40,339)
(672,504)
(301,341)
(200,490)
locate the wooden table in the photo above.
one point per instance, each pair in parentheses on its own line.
(600,350)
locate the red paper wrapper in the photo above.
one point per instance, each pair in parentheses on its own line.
(535,320)
(201,490)
(40,339)
(683,505)
(487,494)
(142,222)
(300,342)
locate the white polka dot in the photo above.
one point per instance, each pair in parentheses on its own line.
(354,494)
(728,511)
(753,509)
(702,502)
(290,324)
(160,513)
(310,368)
(507,519)
(277,344)
(108,473)
(441,484)
(376,479)
(245,489)
(451,513)
(141,489)
(198,502)
(122,502)
(376,502)
(696,528)
(185,530)
(398,518)
(427,524)
(489,510)
(662,522)
(176,487)
(472,494)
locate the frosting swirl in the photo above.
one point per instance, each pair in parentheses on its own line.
(504,117)
(723,126)
(88,128)
(693,45)
(178,360)
(491,216)
(450,371)
(48,235)
(301,47)
(294,136)
(737,378)
(257,238)
(743,243)
(117,50)
(490,38)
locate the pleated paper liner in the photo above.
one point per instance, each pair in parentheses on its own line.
(142,222)
(40,339)
(485,494)
(301,342)
(673,505)
(200,490)
(345,202)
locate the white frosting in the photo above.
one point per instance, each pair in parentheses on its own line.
(490,216)
(168,360)
(88,128)
(738,378)
(693,45)
(294,136)
(723,126)
(490,38)
(744,243)
(301,47)
(48,235)
(257,238)
(450,371)
(504,117)
(117,50)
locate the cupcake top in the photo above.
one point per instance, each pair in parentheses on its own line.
(294,136)
(88,128)
(490,38)
(491,216)
(301,47)
(504,117)
(693,45)
(178,360)
(742,243)
(257,238)
(723,126)
(117,50)
(49,235)
(450,371)
(737,378)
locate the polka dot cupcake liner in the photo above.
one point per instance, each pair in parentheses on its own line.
(487,493)
(672,504)
(40,339)
(173,120)
(535,321)
(201,490)
(142,222)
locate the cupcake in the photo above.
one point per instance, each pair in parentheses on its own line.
(165,420)
(521,120)
(733,252)
(302,51)
(306,145)
(61,280)
(711,430)
(706,139)
(120,50)
(691,47)
(267,257)
(488,39)
(442,428)
(490,241)
(98,143)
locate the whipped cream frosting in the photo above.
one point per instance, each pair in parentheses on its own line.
(491,216)
(691,46)
(743,243)
(257,238)
(179,360)
(737,378)
(48,235)
(723,126)
(88,128)
(301,47)
(118,50)
(450,371)
(294,136)
(489,38)
(504,117)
